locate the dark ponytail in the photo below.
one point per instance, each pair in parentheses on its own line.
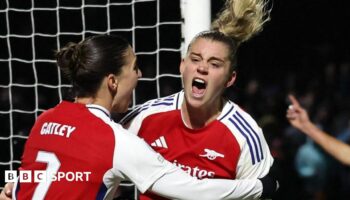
(86,63)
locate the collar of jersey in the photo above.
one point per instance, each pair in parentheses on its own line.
(100,108)
(228,107)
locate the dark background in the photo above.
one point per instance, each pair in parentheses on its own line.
(303,50)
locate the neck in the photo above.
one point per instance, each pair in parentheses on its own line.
(93,100)
(196,118)
(103,97)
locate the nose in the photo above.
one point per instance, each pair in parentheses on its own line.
(139,73)
(202,68)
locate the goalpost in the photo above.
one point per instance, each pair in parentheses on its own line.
(30,31)
(197,18)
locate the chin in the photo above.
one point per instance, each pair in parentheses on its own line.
(194,102)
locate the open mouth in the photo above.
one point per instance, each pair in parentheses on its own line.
(198,87)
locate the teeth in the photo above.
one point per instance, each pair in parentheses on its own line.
(199,80)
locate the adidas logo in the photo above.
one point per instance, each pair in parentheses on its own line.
(160,142)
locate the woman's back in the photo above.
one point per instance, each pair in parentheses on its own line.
(73,143)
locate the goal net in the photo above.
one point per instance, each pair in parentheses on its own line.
(30,32)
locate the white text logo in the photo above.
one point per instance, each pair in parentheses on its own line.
(37,176)
(195,171)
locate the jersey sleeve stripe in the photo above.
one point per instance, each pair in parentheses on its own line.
(177,101)
(246,137)
(162,103)
(142,109)
(170,98)
(228,112)
(131,115)
(254,132)
(166,101)
(249,134)
(101,192)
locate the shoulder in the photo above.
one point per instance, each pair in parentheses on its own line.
(154,106)
(248,134)
(237,119)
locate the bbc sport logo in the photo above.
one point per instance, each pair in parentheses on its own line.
(37,176)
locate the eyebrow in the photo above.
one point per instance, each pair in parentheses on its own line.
(211,58)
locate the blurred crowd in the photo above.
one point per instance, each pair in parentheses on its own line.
(305,170)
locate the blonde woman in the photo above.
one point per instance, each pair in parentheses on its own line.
(198,129)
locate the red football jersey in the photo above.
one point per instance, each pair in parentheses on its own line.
(77,151)
(230,147)
(93,153)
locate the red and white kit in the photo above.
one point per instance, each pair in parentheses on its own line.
(82,139)
(231,147)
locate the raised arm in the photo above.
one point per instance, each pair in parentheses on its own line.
(299,118)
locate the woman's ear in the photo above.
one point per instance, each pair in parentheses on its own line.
(231,80)
(112,82)
(182,66)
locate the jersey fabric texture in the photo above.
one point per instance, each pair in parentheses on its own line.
(75,138)
(231,147)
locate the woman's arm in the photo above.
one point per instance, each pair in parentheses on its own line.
(298,117)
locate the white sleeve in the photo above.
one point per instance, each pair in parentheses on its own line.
(148,170)
(246,168)
(177,184)
(137,161)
